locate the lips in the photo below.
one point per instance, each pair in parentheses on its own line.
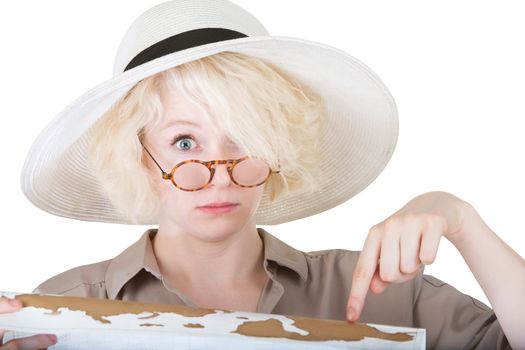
(218,208)
(218,205)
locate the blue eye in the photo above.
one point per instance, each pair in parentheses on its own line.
(185,142)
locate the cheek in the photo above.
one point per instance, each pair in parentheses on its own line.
(170,194)
(254,196)
(177,204)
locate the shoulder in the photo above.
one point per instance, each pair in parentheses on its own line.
(334,255)
(332,264)
(86,280)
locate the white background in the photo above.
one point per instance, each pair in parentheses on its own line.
(455,69)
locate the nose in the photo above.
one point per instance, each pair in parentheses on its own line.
(221,176)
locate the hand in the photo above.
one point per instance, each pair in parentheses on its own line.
(40,341)
(395,249)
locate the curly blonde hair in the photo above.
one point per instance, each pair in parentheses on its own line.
(283,127)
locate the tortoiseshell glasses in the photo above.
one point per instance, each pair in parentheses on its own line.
(194,175)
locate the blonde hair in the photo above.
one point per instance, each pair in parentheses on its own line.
(263,110)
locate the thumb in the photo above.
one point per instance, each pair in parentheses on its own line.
(377,285)
(9,305)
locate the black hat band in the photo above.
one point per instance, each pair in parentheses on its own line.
(183,41)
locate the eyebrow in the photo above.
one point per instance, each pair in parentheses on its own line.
(180,122)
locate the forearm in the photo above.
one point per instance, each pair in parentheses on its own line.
(500,272)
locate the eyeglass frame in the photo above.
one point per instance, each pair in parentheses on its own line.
(231,164)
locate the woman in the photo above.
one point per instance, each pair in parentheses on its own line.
(226,106)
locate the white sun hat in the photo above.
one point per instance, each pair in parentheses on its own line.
(358,135)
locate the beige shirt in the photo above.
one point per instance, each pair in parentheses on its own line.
(314,284)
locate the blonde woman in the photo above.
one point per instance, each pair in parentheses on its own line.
(209,139)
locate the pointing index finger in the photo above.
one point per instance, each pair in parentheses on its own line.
(363,273)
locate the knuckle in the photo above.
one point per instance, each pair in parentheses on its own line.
(374,232)
(387,276)
(408,268)
(354,300)
(427,258)
(393,224)
(434,219)
(409,217)
(360,273)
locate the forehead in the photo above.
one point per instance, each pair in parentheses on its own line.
(182,113)
(179,109)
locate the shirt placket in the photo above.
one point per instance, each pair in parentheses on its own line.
(272,292)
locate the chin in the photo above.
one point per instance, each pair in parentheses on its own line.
(218,230)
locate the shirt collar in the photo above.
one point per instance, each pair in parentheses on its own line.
(131,261)
(283,254)
(140,256)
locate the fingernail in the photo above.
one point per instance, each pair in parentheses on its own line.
(15,302)
(350,314)
(52,337)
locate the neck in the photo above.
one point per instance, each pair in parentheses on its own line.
(230,260)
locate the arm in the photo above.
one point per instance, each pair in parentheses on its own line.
(396,247)
(499,270)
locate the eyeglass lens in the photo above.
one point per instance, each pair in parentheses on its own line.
(249,172)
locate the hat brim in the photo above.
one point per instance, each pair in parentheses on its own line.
(358,135)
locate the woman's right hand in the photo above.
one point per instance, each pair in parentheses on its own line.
(40,341)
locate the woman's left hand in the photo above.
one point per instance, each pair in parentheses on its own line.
(395,248)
